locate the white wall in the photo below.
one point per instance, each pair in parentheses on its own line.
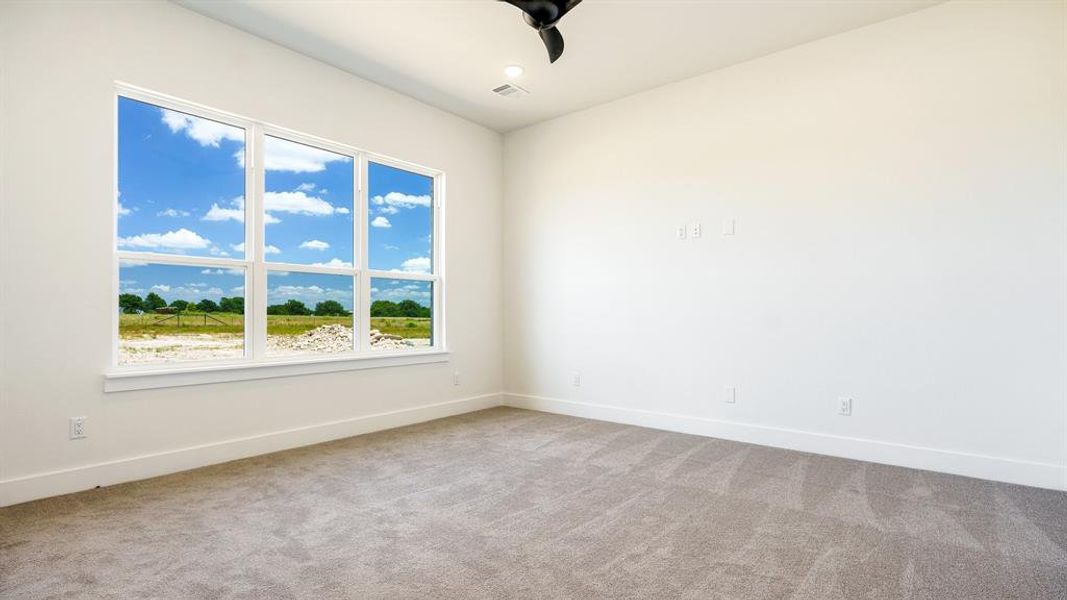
(58,67)
(899,193)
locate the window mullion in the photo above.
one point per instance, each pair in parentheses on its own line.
(254,218)
(362,218)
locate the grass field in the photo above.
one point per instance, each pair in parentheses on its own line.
(150,325)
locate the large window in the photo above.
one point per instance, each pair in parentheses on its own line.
(238,242)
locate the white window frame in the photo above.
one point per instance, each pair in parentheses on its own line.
(255,364)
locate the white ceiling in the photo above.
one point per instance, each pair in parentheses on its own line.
(451,53)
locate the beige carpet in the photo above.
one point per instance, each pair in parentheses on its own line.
(507,503)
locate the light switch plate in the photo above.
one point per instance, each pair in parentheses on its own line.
(729,227)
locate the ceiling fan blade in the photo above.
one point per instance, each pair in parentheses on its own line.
(569,4)
(539,13)
(553,40)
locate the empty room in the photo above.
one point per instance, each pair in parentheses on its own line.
(524,299)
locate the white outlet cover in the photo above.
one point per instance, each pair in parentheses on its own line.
(680,232)
(729,227)
(695,230)
(77,428)
(576,379)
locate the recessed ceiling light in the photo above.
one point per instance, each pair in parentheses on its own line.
(514,71)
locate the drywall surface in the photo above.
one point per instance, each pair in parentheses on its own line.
(898,195)
(60,62)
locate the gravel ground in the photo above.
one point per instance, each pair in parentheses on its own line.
(326,339)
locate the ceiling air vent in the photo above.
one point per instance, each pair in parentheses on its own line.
(510,90)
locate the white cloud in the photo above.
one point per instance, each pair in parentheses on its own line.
(218,213)
(388,210)
(189,292)
(283,155)
(381,222)
(237,290)
(333,262)
(236,213)
(419,264)
(267,250)
(297,202)
(216,251)
(122,210)
(420,294)
(309,294)
(205,132)
(171,212)
(182,239)
(314,245)
(398,200)
(390,247)
(222,272)
(305,187)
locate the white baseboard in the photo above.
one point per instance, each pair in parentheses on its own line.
(43,485)
(1045,475)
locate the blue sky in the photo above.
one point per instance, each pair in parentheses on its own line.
(401,218)
(181,184)
(179,282)
(398,290)
(309,288)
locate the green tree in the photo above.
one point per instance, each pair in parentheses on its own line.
(131,304)
(330,308)
(207,306)
(153,301)
(277,309)
(384,308)
(234,305)
(412,309)
(297,308)
(180,305)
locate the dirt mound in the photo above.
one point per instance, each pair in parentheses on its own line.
(332,338)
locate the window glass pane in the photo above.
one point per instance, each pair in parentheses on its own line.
(172,313)
(401,314)
(308,313)
(181,183)
(308,204)
(401,220)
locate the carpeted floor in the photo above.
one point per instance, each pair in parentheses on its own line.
(507,503)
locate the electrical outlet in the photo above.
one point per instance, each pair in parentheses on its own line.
(695,230)
(576,379)
(729,395)
(455,377)
(844,406)
(77,428)
(680,232)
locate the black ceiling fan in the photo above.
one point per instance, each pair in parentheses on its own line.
(543,15)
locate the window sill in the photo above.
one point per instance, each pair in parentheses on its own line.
(123,380)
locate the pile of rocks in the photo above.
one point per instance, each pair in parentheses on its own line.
(322,339)
(388,341)
(332,338)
